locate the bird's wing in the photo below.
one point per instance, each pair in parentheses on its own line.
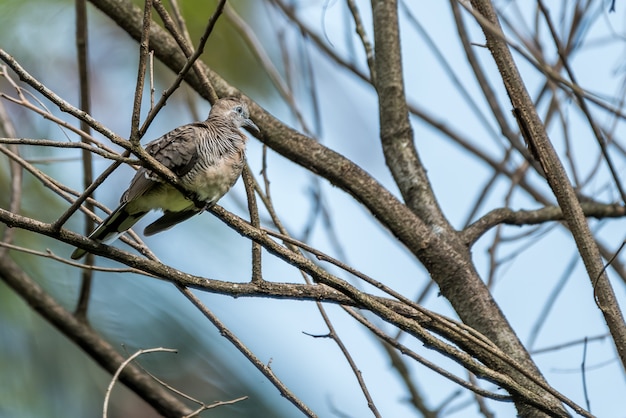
(176,150)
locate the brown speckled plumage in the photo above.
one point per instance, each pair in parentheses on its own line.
(207,156)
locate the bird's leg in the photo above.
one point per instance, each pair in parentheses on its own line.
(201,205)
(206,206)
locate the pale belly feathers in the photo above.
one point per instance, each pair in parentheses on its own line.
(209,185)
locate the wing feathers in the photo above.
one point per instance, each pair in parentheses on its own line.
(115,225)
(207,156)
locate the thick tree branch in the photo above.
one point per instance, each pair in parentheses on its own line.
(535,134)
(396,133)
(92,343)
(534,217)
(413,319)
(448,261)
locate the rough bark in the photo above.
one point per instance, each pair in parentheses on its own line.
(445,256)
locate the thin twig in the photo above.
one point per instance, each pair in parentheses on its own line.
(365,42)
(202,407)
(480,400)
(568,344)
(58,101)
(144,51)
(49,254)
(152,80)
(87,193)
(459,84)
(82,52)
(583,370)
(256,47)
(404,350)
(542,317)
(399,364)
(215,405)
(540,66)
(482,79)
(582,102)
(24,102)
(183,72)
(69,195)
(248,181)
(15,198)
(265,369)
(105,408)
(76,145)
(266,198)
(206,88)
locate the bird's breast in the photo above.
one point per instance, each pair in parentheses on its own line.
(208,181)
(211,181)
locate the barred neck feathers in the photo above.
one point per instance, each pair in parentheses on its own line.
(220,138)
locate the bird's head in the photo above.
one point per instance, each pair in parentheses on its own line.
(235,111)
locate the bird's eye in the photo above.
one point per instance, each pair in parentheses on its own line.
(239,109)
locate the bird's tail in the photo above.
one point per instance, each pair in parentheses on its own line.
(115,225)
(168,220)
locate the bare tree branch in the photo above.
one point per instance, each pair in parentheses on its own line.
(86,338)
(482,341)
(537,139)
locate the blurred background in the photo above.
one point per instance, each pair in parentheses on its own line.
(534,273)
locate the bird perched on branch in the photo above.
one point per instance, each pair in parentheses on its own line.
(208,157)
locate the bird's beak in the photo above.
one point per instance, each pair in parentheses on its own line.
(251,125)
